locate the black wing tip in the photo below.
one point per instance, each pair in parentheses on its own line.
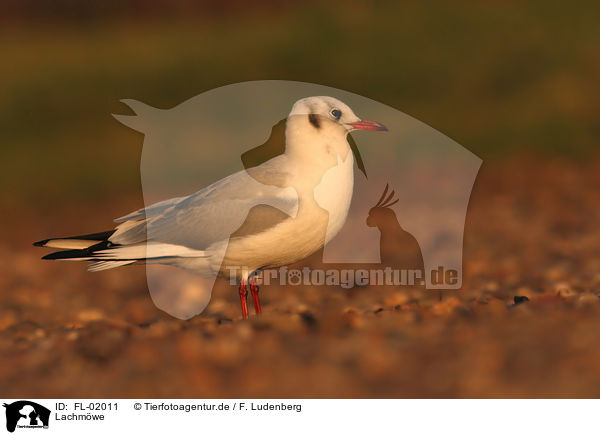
(78,253)
(100,237)
(63,255)
(53,256)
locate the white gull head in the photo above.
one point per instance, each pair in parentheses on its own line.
(319,125)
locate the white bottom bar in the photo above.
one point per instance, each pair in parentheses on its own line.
(272,416)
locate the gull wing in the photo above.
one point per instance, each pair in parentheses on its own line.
(216,212)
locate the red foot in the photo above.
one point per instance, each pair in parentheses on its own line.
(254,290)
(243,296)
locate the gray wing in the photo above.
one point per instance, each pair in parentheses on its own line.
(152,210)
(239,204)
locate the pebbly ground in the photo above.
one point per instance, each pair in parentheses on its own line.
(532,230)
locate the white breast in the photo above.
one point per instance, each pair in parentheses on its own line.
(334,194)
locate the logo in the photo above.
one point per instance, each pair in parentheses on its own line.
(26,414)
(398,199)
(256,176)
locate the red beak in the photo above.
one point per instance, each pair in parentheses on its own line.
(364,124)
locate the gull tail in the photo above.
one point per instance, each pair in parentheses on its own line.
(105,254)
(83,248)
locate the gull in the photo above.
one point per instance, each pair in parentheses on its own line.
(264,217)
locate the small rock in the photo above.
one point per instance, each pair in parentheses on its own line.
(301,308)
(25,331)
(587,299)
(90,315)
(520,299)
(158,329)
(446,307)
(351,318)
(484,298)
(412,306)
(9,318)
(101,341)
(527,291)
(564,290)
(245,330)
(309,320)
(224,353)
(492,286)
(395,299)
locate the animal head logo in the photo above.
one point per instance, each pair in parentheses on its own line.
(220,132)
(26,414)
(209,185)
(398,248)
(382,210)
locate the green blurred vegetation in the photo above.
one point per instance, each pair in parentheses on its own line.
(498,77)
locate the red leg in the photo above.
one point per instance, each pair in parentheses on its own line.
(254,290)
(243,296)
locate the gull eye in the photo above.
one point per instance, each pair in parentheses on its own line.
(337,114)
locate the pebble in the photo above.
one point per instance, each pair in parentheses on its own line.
(395,299)
(587,299)
(309,320)
(446,307)
(25,331)
(520,299)
(526,291)
(8,319)
(564,290)
(100,341)
(351,318)
(90,315)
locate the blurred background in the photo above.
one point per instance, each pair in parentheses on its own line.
(498,77)
(516,82)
